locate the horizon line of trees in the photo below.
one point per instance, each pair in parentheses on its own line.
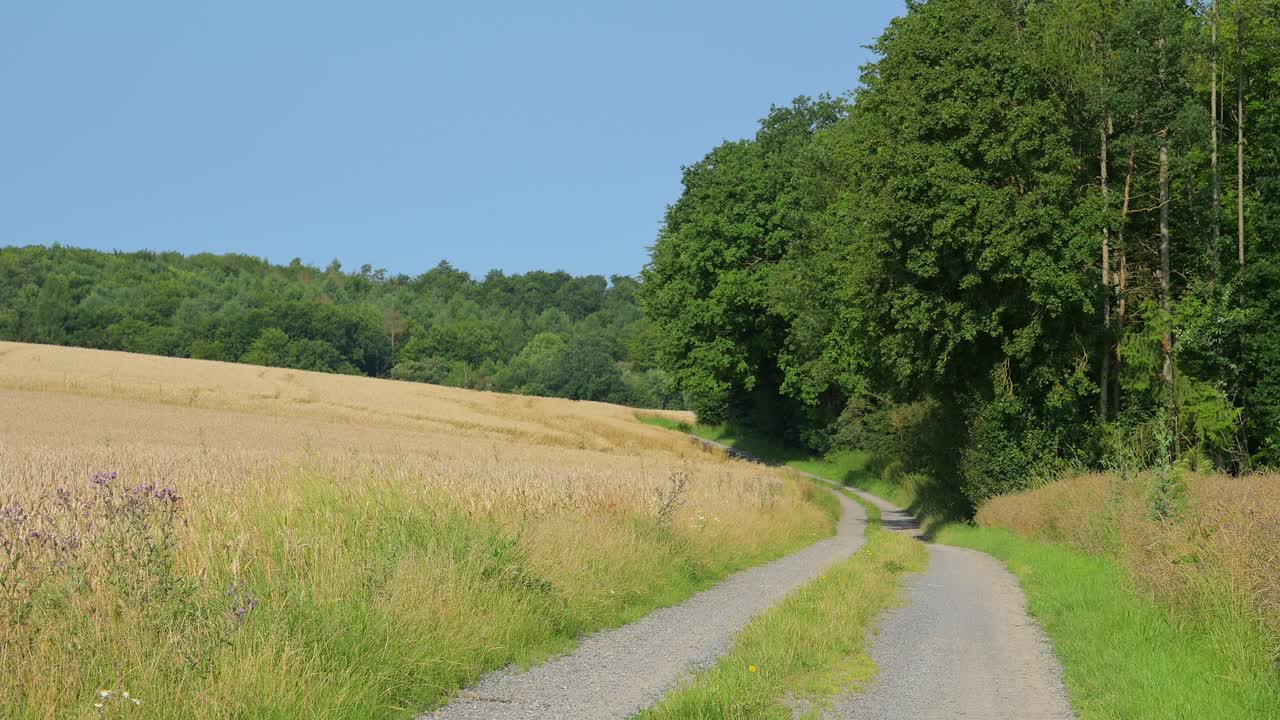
(1038,226)
(537,333)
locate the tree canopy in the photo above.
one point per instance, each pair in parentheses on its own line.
(546,333)
(1016,232)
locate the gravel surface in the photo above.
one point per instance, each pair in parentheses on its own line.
(617,673)
(962,647)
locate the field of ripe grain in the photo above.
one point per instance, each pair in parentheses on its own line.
(231,541)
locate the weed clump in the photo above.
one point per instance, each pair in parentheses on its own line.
(101,538)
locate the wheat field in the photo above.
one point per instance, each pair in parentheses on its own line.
(232,541)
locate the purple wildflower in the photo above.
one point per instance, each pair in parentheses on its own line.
(13,514)
(167,494)
(242,602)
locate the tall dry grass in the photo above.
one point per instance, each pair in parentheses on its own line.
(228,541)
(1215,561)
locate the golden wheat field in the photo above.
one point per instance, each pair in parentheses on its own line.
(233,541)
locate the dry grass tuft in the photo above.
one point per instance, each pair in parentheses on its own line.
(342,546)
(1217,560)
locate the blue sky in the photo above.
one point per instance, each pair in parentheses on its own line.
(516,135)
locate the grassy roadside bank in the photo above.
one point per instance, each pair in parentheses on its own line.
(787,658)
(1129,649)
(367,581)
(1124,657)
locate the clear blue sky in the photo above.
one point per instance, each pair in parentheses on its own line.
(516,135)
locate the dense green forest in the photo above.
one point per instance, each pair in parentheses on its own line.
(1040,235)
(544,333)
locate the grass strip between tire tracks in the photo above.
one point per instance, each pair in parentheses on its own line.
(809,647)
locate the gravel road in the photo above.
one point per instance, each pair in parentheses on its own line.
(617,673)
(962,647)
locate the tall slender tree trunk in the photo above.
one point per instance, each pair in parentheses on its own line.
(1212,250)
(1105,372)
(1167,340)
(1122,279)
(1239,135)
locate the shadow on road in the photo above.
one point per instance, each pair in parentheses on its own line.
(892,517)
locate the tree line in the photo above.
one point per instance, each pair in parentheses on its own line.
(1040,234)
(543,333)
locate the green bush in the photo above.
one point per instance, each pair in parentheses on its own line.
(1007,449)
(917,435)
(431,370)
(862,425)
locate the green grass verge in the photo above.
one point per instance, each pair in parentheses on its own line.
(356,596)
(826,501)
(1123,656)
(788,661)
(853,469)
(856,469)
(665,422)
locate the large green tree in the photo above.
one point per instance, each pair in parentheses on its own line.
(707,283)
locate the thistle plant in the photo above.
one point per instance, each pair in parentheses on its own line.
(670,499)
(1168,489)
(106,540)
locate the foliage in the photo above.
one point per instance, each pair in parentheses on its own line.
(584,370)
(503,332)
(704,287)
(947,238)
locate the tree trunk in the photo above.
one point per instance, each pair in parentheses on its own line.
(1239,135)
(1212,250)
(1105,372)
(1122,278)
(1167,340)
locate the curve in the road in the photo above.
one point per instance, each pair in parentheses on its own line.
(962,646)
